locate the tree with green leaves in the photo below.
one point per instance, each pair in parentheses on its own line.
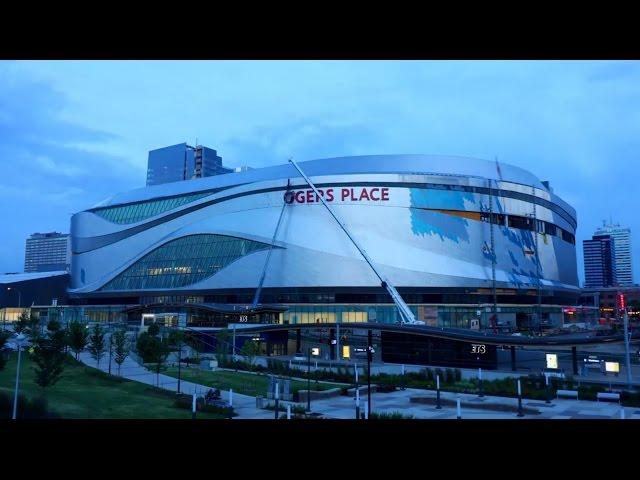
(121,347)
(49,355)
(4,336)
(250,350)
(97,347)
(192,340)
(222,346)
(78,337)
(33,327)
(153,349)
(22,324)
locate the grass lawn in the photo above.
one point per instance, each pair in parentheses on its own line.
(85,392)
(241,382)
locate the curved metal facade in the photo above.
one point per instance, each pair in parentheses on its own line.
(425,221)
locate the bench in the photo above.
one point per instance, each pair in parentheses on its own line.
(608,396)
(567,394)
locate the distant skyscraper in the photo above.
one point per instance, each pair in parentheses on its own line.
(599,262)
(622,240)
(183,162)
(47,252)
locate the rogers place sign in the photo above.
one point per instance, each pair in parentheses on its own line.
(352,194)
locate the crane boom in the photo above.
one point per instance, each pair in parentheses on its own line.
(406,314)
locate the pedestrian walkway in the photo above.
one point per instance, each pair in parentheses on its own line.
(243,405)
(343,407)
(399,401)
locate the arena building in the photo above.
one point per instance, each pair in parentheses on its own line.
(468,243)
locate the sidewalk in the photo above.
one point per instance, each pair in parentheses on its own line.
(243,405)
(399,401)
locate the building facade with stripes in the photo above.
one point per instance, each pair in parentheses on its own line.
(462,239)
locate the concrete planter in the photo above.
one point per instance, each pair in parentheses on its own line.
(318,395)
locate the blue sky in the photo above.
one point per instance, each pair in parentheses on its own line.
(73,132)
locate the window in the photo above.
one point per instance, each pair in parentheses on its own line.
(183,261)
(139,211)
(522,223)
(550,229)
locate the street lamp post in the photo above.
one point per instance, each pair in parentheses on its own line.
(19,295)
(308,379)
(369,348)
(20,339)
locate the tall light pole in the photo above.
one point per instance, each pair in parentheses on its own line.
(19,295)
(626,338)
(308,379)
(20,340)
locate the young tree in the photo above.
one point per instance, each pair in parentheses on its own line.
(97,347)
(49,357)
(195,344)
(4,336)
(250,350)
(222,346)
(121,347)
(22,324)
(78,337)
(33,327)
(153,349)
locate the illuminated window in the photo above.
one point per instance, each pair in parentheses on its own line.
(183,261)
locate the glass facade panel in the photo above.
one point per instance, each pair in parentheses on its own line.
(183,261)
(134,213)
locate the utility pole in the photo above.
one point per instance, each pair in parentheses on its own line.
(369,348)
(537,257)
(493,255)
(308,379)
(626,339)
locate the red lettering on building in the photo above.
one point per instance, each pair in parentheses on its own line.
(345,193)
(330,195)
(310,195)
(364,195)
(300,197)
(385,194)
(371,194)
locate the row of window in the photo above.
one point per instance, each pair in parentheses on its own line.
(515,221)
(183,261)
(139,211)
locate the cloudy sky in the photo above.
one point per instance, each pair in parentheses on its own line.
(73,133)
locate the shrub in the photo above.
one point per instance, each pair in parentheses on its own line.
(389,416)
(35,408)
(458,375)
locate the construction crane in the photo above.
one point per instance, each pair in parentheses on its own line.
(256,298)
(406,315)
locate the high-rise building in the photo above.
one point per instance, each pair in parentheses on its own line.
(47,252)
(183,162)
(599,262)
(622,240)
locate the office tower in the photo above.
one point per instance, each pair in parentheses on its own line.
(622,240)
(183,162)
(599,262)
(47,252)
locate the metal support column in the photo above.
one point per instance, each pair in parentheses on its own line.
(513,358)
(574,358)
(332,346)
(369,355)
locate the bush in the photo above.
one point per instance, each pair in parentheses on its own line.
(389,416)
(186,402)
(35,408)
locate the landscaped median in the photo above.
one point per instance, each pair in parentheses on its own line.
(246,383)
(85,392)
